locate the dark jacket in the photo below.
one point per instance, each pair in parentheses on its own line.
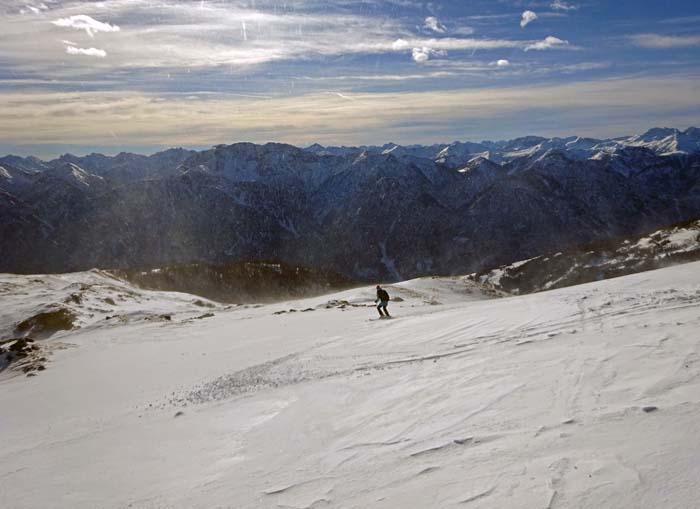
(382,295)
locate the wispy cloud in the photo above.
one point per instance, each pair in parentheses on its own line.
(462,30)
(657,41)
(215,34)
(581,66)
(87,23)
(560,5)
(343,96)
(324,117)
(527,18)
(682,20)
(186,35)
(449,43)
(550,42)
(36,9)
(89,52)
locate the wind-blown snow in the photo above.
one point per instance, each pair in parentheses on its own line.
(583,397)
(388,262)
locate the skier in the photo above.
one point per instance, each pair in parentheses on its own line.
(382,300)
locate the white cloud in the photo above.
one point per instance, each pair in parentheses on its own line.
(400,44)
(656,41)
(501,63)
(84,22)
(420,54)
(527,18)
(423,54)
(432,23)
(560,5)
(550,42)
(90,52)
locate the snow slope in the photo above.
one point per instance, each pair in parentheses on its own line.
(460,401)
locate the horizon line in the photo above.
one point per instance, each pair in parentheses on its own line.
(153,150)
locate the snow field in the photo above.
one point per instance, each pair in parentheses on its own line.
(581,397)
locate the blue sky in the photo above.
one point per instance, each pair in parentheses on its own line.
(142,75)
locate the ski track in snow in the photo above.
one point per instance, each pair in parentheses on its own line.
(583,397)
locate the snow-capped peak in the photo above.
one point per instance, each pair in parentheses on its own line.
(363,156)
(667,141)
(657,133)
(73,174)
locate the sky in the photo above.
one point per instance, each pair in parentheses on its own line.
(142,76)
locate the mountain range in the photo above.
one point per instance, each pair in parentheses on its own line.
(370,213)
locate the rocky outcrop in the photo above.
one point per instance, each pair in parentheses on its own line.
(593,262)
(46,323)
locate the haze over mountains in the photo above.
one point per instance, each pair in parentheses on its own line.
(370,213)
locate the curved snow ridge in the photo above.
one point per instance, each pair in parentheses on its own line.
(93,297)
(39,308)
